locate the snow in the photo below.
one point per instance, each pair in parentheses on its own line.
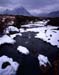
(10,23)
(14,35)
(50,36)
(43,60)
(6,39)
(10,69)
(44,22)
(48,33)
(23,50)
(21,30)
(11,28)
(31,22)
(27,25)
(32,25)
(38,23)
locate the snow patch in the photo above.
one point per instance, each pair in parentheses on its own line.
(43,60)
(49,36)
(23,50)
(6,39)
(10,69)
(14,35)
(11,28)
(10,23)
(22,30)
(44,22)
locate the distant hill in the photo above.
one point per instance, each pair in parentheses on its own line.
(54,14)
(51,14)
(7,11)
(17,11)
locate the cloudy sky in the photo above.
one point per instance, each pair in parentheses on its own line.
(33,6)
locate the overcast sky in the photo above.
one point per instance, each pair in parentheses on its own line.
(33,6)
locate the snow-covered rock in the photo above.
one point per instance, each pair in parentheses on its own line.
(23,50)
(11,29)
(10,69)
(6,39)
(43,60)
(10,23)
(14,35)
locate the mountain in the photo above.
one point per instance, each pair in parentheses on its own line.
(17,11)
(21,11)
(54,14)
(51,14)
(7,11)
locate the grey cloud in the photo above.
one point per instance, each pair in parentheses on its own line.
(28,3)
(43,5)
(4,2)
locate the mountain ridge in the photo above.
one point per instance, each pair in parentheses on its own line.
(51,14)
(17,11)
